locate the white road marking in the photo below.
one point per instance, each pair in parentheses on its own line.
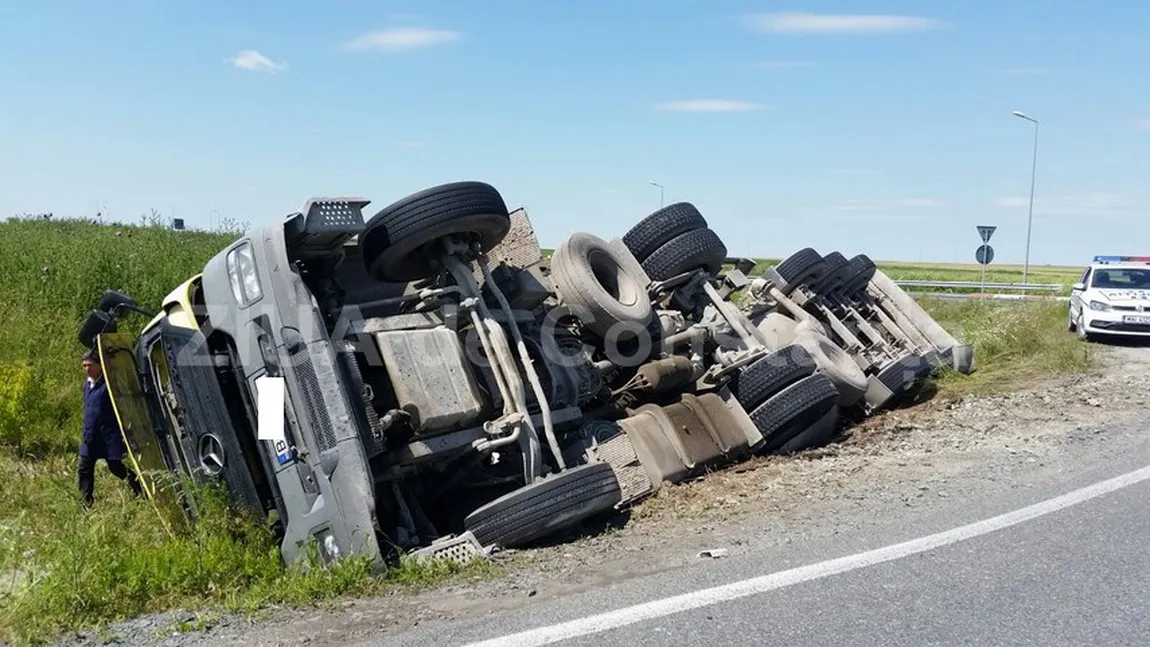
(706,597)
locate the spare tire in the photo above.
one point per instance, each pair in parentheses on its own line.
(595,285)
(655,230)
(545,506)
(695,249)
(395,241)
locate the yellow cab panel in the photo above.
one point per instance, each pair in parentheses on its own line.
(137,427)
(179,306)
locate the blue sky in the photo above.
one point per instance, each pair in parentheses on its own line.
(877,127)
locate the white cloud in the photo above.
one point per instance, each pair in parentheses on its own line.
(253,61)
(402,39)
(1085,205)
(924,203)
(708,105)
(783,65)
(809,23)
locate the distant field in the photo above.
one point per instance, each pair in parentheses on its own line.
(907,271)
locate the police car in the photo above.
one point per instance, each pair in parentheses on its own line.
(1112,298)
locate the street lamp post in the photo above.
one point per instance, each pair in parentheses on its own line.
(654,183)
(1030,215)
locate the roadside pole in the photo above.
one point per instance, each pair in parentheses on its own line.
(985,253)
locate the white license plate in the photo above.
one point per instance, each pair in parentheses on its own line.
(1136,319)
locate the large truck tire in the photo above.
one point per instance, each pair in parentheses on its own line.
(770,374)
(395,241)
(654,231)
(695,249)
(545,506)
(795,409)
(595,285)
(862,270)
(901,375)
(817,435)
(835,363)
(836,274)
(800,268)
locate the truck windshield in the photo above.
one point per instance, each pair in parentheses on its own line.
(1119,279)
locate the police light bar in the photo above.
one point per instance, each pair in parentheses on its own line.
(1121,259)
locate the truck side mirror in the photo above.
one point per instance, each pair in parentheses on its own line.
(113,300)
(1078,287)
(97,322)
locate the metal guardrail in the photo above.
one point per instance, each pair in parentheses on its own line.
(1053,288)
(970,296)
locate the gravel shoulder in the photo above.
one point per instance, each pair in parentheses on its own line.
(925,457)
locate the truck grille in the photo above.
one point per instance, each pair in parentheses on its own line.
(314,401)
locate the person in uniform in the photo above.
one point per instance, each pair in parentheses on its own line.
(100,437)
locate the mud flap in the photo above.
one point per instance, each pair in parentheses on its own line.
(679,440)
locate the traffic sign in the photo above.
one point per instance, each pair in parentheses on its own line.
(986,231)
(984,254)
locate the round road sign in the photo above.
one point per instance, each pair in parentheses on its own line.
(984,254)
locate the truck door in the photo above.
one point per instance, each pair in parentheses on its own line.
(138,428)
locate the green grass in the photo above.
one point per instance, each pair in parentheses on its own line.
(63,569)
(86,569)
(1015,344)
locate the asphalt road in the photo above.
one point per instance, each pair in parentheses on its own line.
(1063,559)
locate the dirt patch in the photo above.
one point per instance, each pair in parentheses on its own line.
(907,455)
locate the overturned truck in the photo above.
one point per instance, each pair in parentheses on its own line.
(448,389)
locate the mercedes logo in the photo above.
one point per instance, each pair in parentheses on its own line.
(211,452)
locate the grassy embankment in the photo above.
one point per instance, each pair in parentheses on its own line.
(62,569)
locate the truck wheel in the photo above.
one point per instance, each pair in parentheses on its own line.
(595,285)
(395,241)
(900,375)
(817,435)
(835,363)
(862,270)
(655,230)
(777,328)
(800,268)
(795,409)
(836,274)
(547,505)
(695,249)
(770,374)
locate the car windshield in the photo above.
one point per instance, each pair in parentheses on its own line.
(1120,279)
